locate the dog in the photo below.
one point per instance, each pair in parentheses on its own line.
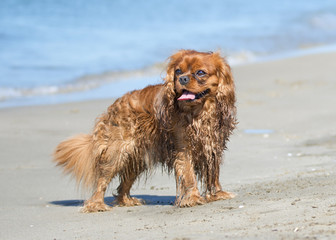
(182,124)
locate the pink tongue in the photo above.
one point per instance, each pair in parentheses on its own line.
(187,96)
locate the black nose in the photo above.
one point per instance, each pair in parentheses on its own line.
(184,80)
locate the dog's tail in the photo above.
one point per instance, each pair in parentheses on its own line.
(76,156)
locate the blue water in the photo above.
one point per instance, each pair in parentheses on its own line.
(47,47)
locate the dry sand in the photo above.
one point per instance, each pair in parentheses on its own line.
(284,177)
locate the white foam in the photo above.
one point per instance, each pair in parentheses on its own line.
(241,57)
(326,21)
(7,93)
(10,93)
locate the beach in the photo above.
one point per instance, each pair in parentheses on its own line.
(281,163)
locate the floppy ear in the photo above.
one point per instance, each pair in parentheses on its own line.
(226,90)
(169,85)
(165,102)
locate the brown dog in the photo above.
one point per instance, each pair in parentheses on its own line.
(182,124)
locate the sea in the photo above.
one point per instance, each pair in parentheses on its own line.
(54,51)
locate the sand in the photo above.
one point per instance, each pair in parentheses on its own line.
(281,163)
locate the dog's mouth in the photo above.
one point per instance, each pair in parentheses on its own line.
(190,96)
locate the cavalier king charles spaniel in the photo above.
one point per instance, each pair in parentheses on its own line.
(182,125)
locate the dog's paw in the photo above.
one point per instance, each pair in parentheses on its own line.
(221,195)
(191,201)
(90,207)
(130,201)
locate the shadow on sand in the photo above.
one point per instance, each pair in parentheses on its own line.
(149,200)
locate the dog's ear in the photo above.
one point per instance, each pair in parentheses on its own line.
(174,60)
(226,89)
(165,102)
(170,79)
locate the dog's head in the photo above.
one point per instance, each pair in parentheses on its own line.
(197,82)
(199,77)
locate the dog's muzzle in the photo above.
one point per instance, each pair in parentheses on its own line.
(184,80)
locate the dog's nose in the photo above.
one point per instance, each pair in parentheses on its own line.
(184,80)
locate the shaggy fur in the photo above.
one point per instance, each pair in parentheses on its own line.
(182,124)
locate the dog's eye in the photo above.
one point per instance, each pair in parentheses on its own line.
(178,72)
(200,73)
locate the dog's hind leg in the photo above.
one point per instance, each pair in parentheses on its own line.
(124,198)
(111,162)
(96,202)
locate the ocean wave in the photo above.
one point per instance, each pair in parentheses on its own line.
(92,81)
(83,83)
(325,21)
(115,79)
(242,57)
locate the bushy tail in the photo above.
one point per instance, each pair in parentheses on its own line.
(75,155)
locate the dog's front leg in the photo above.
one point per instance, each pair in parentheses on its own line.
(186,183)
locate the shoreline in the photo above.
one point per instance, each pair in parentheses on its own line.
(103,85)
(281,161)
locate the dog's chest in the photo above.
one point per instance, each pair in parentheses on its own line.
(201,134)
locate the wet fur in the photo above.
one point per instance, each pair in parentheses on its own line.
(150,127)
